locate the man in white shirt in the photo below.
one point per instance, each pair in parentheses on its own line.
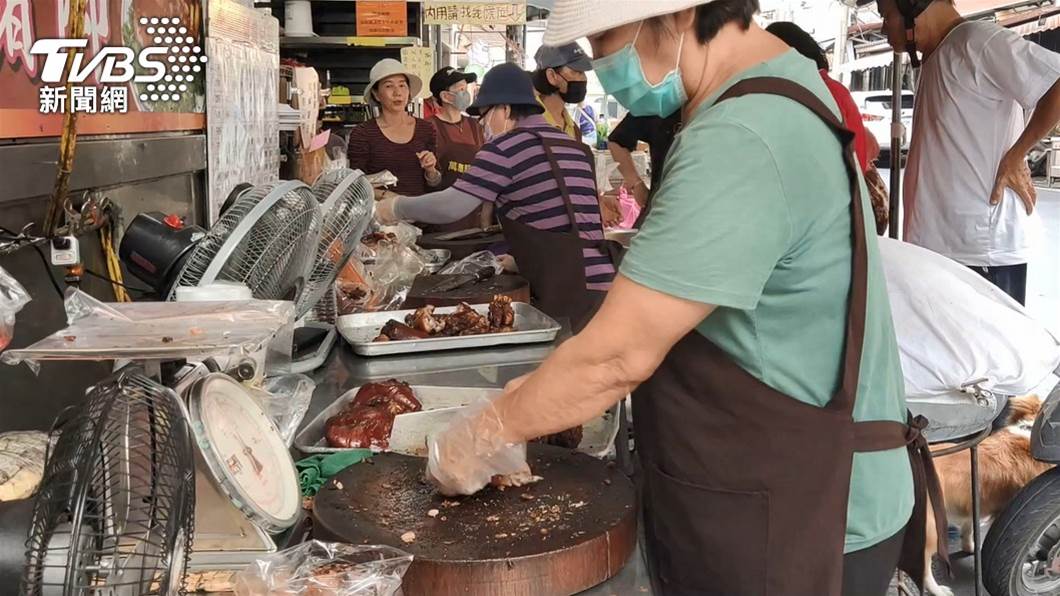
(968,190)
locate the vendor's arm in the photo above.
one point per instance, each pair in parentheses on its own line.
(1030,74)
(621,143)
(619,349)
(442,207)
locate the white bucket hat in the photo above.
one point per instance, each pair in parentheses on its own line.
(388,67)
(573,19)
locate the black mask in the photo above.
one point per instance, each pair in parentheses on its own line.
(576,91)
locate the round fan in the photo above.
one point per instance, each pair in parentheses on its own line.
(347,200)
(114,514)
(266,240)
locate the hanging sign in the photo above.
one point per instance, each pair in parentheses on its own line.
(420,62)
(437,12)
(382,18)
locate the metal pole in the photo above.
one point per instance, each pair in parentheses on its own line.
(977,557)
(839,49)
(896,143)
(515,44)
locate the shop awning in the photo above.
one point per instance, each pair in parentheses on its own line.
(1034,21)
(884,58)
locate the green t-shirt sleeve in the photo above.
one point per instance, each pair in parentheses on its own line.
(719,223)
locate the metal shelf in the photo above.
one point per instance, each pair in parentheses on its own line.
(351,41)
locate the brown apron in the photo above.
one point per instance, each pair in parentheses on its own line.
(746,488)
(552,261)
(455,156)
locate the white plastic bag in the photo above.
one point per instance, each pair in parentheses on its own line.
(285,400)
(12,298)
(325,569)
(954,327)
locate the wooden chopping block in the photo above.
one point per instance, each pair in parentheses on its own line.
(422,293)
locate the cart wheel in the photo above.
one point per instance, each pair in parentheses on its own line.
(1021,554)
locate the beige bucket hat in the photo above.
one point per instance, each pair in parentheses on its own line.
(573,19)
(388,67)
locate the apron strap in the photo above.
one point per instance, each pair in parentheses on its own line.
(557,172)
(855,332)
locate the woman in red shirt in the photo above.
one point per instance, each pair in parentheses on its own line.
(396,141)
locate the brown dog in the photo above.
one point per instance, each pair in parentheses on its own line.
(1005,467)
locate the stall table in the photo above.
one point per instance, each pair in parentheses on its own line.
(492,368)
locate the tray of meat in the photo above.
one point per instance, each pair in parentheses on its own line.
(394,416)
(430,329)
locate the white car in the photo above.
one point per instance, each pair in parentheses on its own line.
(875,107)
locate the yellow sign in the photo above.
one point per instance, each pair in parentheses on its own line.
(367,42)
(420,62)
(437,12)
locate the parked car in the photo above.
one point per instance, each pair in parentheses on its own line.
(875,107)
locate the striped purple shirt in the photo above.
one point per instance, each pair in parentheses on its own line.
(513,172)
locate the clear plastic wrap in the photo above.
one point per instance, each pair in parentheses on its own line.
(326,569)
(382,179)
(474,263)
(471,452)
(259,329)
(405,233)
(395,269)
(12,298)
(286,400)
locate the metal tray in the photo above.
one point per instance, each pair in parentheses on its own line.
(531,326)
(598,439)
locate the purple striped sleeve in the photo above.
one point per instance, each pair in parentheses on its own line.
(489,176)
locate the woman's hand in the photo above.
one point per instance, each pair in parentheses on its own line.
(610,211)
(428,161)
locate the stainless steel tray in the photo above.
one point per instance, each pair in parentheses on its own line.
(598,438)
(311,438)
(531,326)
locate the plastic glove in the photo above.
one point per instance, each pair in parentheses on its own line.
(384,210)
(472,451)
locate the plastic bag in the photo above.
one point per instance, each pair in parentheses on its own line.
(471,452)
(382,179)
(286,400)
(954,327)
(474,263)
(394,271)
(12,298)
(22,455)
(630,208)
(325,569)
(405,233)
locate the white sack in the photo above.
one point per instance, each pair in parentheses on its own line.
(954,327)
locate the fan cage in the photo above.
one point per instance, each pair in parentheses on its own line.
(348,200)
(266,240)
(118,493)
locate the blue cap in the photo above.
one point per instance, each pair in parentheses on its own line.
(505,84)
(570,55)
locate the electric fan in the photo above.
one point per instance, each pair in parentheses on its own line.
(115,511)
(347,200)
(266,240)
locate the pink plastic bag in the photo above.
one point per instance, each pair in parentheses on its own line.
(630,208)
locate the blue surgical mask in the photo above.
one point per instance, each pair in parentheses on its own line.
(622,76)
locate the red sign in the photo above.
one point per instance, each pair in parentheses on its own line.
(382,18)
(108,23)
